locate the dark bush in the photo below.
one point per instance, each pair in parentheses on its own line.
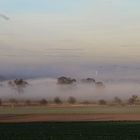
(71,100)
(28,102)
(134,100)
(117,100)
(102,102)
(0,102)
(57,100)
(43,102)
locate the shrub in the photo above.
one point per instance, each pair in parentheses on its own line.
(117,100)
(43,102)
(71,100)
(0,102)
(57,100)
(102,102)
(134,100)
(28,102)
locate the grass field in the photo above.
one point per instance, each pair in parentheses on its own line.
(40,123)
(60,109)
(69,113)
(71,131)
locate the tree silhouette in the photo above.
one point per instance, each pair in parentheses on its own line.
(43,102)
(134,100)
(65,80)
(18,85)
(117,100)
(57,100)
(71,100)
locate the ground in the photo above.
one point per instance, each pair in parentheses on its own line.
(70,122)
(69,113)
(104,130)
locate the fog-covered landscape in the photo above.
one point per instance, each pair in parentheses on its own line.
(91,39)
(69,69)
(48,88)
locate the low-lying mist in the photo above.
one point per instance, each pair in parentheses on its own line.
(49,89)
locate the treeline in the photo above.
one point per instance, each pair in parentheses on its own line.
(61,80)
(133,100)
(20,84)
(68,80)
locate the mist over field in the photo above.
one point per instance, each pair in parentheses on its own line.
(49,89)
(43,40)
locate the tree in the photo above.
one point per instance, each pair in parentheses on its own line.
(65,80)
(117,100)
(43,102)
(0,102)
(71,100)
(102,102)
(88,80)
(28,102)
(18,85)
(134,100)
(57,100)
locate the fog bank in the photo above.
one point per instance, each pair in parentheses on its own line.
(48,88)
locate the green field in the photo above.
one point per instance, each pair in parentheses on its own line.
(89,130)
(71,131)
(69,110)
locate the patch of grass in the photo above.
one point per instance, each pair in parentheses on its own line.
(71,131)
(69,110)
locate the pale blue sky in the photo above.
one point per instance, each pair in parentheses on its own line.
(45,6)
(68,6)
(69,31)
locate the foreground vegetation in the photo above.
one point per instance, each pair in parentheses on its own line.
(67,109)
(71,131)
(133,100)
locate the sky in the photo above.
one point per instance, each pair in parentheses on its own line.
(41,34)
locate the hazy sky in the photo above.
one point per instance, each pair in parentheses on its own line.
(69,31)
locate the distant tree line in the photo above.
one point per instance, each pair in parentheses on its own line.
(133,100)
(67,80)
(20,84)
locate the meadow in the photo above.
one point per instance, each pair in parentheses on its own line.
(70,109)
(71,131)
(67,113)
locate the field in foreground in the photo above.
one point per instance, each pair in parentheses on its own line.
(69,109)
(69,113)
(72,122)
(71,131)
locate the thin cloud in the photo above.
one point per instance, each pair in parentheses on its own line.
(4,17)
